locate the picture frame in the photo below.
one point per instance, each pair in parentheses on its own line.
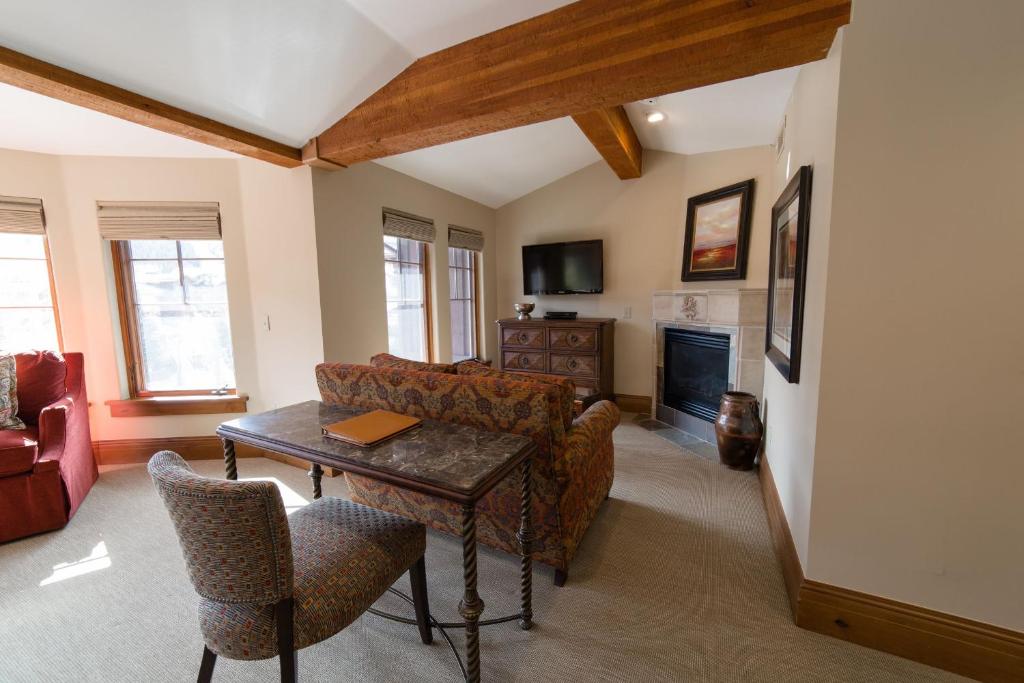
(717,236)
(787,275)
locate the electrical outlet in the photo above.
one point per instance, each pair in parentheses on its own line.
(266,323)
(627,313)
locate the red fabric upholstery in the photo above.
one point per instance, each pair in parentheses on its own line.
(41,381)
(47,495)
(17,451)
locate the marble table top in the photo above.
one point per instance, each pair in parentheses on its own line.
(439,456)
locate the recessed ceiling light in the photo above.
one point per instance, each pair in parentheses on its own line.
(655,117)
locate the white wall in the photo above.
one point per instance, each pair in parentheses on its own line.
(350,247)
(918,466)
(642,223)
(259,206)
(791,410)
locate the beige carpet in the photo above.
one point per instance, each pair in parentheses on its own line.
(675,581)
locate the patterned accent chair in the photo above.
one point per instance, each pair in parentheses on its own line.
(270,584)
(572,470)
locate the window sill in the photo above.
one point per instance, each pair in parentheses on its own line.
(177,405)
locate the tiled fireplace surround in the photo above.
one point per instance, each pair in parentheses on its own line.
(739,313)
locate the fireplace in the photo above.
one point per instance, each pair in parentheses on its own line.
(696,371)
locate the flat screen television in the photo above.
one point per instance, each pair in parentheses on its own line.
(564,268)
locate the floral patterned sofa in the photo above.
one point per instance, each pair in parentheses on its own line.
(572,470)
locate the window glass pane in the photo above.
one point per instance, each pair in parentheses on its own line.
(205,282)
(185,347)
(463,304)
(13,245)
(157,282)
(406,330)
(404,283)
(390,248)
(202,249)
(141,249)
(24,283)
(182,315)
(22,329)
(412,282)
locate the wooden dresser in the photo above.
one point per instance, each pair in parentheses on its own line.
(583,349)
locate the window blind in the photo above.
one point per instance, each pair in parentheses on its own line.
(159,220)
(22,215)
(398,224)
(464,238)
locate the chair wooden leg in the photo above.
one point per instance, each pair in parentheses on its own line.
(560,576)
(286,640)
(206,668)
(418,582)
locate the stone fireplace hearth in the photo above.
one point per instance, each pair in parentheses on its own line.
(716,344)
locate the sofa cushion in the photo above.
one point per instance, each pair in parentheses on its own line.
(41,381)
(565,386)
(386,360)
(17,451)
(9,393)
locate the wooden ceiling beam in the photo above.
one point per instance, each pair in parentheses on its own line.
(589,55)
(610,131)
(53,81)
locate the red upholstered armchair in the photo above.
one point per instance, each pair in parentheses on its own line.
(47,469)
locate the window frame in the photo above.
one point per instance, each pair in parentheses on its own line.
(53,289)
(126,303)
(474,274)
(428,313)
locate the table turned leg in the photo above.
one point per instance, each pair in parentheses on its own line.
(316,473)
(471,606)
(526,537)
(229,459)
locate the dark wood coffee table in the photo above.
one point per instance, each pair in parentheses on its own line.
(453,462)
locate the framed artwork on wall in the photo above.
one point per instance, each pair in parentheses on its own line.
(717,233)
(787,276)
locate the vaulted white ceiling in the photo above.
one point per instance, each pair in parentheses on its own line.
(288,70)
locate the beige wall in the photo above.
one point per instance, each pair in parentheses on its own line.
(350,248)
(641,222)
(918,467)
(253,198)
(791,410)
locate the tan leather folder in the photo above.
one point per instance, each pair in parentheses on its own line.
(369,429)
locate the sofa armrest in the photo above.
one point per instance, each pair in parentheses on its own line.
(53,425)
(587,434)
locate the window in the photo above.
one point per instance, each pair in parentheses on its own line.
(462,292)
(173,301)
(405,272)
(28,311)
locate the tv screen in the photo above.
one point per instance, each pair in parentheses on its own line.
(564,268)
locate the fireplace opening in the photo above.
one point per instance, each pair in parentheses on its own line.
(696,372)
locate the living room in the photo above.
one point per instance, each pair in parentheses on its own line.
(268,203)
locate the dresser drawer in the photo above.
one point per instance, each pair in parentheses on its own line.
(582,365)
(572,339)
(533,361)
(529,337)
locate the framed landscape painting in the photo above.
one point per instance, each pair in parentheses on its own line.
(787,276)
(717,233)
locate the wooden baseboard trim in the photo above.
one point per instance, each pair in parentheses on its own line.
(633,404)
(964,646)
(135,451)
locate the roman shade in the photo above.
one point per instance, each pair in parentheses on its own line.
(22,215)
(398,224)
(464,238)
(159,220)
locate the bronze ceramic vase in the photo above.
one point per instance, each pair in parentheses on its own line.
(739,430)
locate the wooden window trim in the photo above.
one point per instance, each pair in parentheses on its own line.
(196,401)
(428,311)
(155,406)
(53,290)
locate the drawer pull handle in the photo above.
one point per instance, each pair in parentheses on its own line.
(524,362)
(523,338)
(572,364)
(574,339)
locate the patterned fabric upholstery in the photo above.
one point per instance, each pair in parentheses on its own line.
(9,393)
(566,387)
(386,360)
(572,470)
(342,557)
